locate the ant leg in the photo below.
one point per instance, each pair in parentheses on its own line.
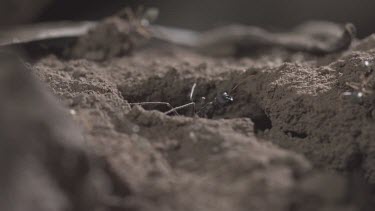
(179,107)
(191,96)
(156,103)
(192,92)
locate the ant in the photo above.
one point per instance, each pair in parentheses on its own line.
(207,110)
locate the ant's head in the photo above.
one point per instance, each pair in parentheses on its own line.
(224,98)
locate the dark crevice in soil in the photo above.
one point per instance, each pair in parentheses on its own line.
(170,89)
(176,92)
(163,89)
(355,161)
(261,122)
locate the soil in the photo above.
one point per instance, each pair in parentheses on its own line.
(292,139)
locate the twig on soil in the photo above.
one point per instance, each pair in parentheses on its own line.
(316,37)
(44,31)
(304,38)
(139,20)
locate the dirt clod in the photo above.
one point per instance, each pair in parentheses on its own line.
(110,38)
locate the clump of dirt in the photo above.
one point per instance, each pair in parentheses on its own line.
(112,37)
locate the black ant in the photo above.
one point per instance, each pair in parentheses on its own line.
(220,101)
(206,110)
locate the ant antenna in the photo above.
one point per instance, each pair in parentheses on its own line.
(192,92)
(191,96)
(192,103)
(173,110)
(241,82)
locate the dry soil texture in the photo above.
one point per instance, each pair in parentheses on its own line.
(293,138)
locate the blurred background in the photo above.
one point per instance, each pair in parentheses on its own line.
(202,14)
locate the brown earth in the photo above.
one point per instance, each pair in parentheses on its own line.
(290,140)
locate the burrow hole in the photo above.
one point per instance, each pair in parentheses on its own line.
(175,91)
